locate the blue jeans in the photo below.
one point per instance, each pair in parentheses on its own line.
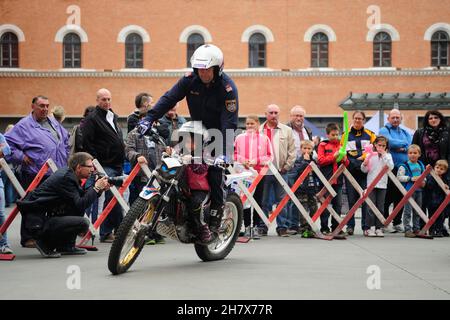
(114,218)
(271,182)
(293,213)
(408,211)
(4,240)
(10,192)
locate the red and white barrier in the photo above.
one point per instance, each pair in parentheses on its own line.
(117,198)
(407,197)
(49,164)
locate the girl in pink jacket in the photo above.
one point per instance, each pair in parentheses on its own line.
(253,149)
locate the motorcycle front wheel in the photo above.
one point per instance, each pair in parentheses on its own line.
(130,237)
(229,231)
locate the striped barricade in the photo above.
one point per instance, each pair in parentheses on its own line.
(49,164)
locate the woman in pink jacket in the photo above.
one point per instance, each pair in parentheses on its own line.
(254,150)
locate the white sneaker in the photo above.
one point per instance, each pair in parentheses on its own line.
(379,233)
(398,228)
(6,250)
(371,232)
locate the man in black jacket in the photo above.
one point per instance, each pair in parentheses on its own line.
(143,102)
(102,138)
(55,209)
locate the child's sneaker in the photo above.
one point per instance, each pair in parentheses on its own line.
(366,233)
(379,233)
(6,250)
(308,234)
(371,232)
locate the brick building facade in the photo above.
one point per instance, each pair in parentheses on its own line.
(288,52)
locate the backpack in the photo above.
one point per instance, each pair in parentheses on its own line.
(408,168)
(409,172)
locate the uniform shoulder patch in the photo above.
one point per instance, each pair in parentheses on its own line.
(230,105)
(188,74)
(228,88)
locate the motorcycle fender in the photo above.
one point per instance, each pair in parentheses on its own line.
(148,192)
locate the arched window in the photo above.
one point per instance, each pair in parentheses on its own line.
(71,51)
(439,48)
(382,50)
(9,51)
(134,51)
(257,51)
(194,41)
(319,50)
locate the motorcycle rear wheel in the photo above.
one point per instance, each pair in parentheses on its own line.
(129,239)
(229,231)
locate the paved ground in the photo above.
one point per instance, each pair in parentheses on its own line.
(270,268)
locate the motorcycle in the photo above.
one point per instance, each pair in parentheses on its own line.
(163,209)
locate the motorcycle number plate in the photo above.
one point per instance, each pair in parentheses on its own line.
(148,192)
(172,163)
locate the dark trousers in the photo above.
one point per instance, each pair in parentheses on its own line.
(217,187)
(195,207)
(353,196)
(61,232)
(309,202)
(336,203)
(258,198)
(393,195)
(438,225)
(25,181)
(377,196)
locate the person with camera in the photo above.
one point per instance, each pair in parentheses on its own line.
(55,209)
(212,98)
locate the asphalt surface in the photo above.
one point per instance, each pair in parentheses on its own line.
(272,268)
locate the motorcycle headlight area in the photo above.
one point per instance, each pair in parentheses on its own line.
(166,172)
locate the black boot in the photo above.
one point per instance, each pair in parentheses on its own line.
(201,228)
(215,219)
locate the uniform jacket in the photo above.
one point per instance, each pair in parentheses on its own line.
(215,105)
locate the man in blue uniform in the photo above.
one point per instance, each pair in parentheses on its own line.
(212,98)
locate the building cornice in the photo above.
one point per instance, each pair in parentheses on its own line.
(18,73)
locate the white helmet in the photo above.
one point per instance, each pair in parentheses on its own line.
(207,56)
(196,128)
